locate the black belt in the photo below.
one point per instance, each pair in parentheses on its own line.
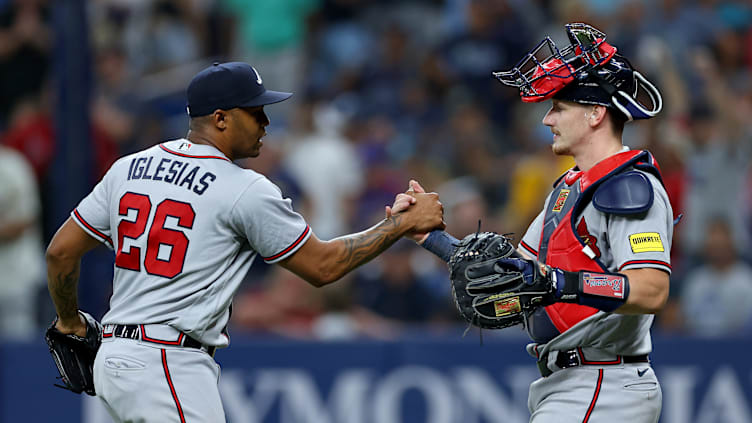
(575,357)
(134,332)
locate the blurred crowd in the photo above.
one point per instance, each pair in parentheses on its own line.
(385,91)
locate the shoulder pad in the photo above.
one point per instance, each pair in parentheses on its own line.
(626,193)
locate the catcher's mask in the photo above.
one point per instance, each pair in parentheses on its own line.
(587,71)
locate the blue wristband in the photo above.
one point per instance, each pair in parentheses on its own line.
(604,291)
(440,243)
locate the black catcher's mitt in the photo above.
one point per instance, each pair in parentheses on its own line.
(488,295)
(74,355)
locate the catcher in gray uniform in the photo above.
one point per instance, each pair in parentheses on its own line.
(594,266)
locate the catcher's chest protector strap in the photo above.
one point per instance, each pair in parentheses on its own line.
(562,199)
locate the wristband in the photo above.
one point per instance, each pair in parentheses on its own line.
(604,291)
(441,244)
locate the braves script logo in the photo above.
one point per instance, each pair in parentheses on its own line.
(560,200)
(611,286)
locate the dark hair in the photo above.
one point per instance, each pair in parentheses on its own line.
(618,120)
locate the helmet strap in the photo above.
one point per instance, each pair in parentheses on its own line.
(629,105)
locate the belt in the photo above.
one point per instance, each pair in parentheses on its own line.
(138,332)
(575,357)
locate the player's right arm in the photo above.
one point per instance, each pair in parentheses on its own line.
(63,256)
(280,235)
(323,262)
(86,228)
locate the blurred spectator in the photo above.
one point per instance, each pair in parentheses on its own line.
(464,205)
(30,131)
(475,148)
(344,319)
(115,106)
(716,172)
(392,65)
(683,26)
(286,305)
(327,167)
(383,176)
(20,247)
(271,35)
(341,46)
(174,33)
(531,179)
(390,287)
(155,35)
(716,296)
(492,40)
(25,41)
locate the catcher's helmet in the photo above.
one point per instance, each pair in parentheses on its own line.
(587,71)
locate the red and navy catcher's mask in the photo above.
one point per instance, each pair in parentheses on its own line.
(587,71)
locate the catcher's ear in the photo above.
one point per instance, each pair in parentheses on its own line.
(596,115)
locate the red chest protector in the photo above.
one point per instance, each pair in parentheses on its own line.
(560,245)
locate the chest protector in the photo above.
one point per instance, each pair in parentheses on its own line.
(561,246)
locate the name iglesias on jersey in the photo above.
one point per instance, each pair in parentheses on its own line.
(171,172)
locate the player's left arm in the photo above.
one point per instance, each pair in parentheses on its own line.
(639,228)
(63,256)
(648,291)
(641,246)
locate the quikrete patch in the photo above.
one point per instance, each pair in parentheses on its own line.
(646,242)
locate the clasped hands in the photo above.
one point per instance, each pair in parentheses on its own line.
(532,273)
(404,201)
(424,208)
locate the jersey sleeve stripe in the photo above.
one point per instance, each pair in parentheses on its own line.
(90,229)
(191,156)
(634,262)
(528,248)
(292,246)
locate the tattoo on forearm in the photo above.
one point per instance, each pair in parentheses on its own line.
(64,292)
(363,246)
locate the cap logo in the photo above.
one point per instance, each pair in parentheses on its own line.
(258,77)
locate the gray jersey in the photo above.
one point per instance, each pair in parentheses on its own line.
(622,243)
(186,224)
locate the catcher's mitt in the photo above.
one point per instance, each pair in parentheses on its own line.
(486,294)
(74,355)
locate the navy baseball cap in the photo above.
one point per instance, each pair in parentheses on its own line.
(227,86)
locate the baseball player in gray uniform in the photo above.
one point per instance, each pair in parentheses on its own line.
(185,224)
(604,234)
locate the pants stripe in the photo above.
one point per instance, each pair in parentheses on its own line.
(595,396)
(172,388)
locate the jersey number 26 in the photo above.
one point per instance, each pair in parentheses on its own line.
(158,235)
